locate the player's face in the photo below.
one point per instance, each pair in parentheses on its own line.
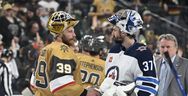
(116,33)
(168,45)
(69,36)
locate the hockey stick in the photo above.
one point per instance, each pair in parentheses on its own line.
(175,73)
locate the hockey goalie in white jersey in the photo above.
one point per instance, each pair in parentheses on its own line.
(129,61)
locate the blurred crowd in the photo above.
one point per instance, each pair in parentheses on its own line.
(23,27)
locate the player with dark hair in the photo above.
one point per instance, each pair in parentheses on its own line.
(129,61)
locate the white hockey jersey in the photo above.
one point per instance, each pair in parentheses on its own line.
(134,64)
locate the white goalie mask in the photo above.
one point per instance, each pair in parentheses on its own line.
(127,20)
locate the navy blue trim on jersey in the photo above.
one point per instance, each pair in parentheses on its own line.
(147,89)
(54,67)
(148,82)
(148,79)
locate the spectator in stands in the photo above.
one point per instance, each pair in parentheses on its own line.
(100,10)
(172,9)
(150,23)
(43,14)
(9,25)
(32,29)
(32,17)
(49,4)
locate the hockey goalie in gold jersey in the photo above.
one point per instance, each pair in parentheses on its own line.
(92,67)
(57,72)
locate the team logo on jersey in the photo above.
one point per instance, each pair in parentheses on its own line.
(64,48)
(141,48)
(110,59)
(113,73)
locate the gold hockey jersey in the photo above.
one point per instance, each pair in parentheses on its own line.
(57,72)
(92,70)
